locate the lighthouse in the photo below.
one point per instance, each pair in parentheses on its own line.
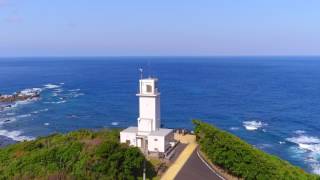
(149,105)
(148,133)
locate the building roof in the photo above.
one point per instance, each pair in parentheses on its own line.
(161,132)
(130,130)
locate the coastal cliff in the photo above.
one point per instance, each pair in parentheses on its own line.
(88,154)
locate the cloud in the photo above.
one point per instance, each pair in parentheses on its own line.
(14,19)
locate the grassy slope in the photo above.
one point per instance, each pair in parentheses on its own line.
(78,155)
(241,159)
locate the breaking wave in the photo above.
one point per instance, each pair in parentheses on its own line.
(299,132)
(234,128)
(16,104)
(311,147)
(309,143)
(78,94)
(59,90)
(15,135)
(51,86)
(24,116)
(39,111)
(74,90)
(56,102)
(115,123)
(253,125)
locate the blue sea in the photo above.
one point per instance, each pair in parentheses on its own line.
(271,102)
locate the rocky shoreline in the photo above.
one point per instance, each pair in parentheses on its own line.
(21,95)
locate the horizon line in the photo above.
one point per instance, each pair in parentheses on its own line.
(153,56)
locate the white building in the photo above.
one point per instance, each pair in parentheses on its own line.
(149,134)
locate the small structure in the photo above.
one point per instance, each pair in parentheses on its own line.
(149,135)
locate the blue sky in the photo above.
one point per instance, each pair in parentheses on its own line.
(159,28)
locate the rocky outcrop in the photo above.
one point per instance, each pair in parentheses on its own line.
(21,95)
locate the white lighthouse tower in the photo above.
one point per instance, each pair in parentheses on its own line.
(149,133)
(149,106)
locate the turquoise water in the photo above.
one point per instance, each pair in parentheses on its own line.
(271,102)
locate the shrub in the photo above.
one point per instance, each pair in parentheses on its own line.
(82,154)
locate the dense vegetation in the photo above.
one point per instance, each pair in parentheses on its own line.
(77,155)
(241,159)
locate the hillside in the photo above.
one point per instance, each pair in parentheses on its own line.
(242,159)
(77,155)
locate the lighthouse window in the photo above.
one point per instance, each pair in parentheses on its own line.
(155,139)
(149,88)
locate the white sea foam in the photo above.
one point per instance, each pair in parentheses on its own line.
(15,135)
(18,103)
(46,124)
(313,160)
(60,102)
(31,91)
(309,143)
(304,139)
(299,132)
(7,120)
(23,116)
(51,86)
(39,111)
(59,90)
(253,125)
(74,90)
(310,148)
(78,94)
(315,168)
(115,123)
(234,128)
(264,146)
(56,102)
(28,101)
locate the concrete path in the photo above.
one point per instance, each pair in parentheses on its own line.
(189,164)
(197,169)
(174,169)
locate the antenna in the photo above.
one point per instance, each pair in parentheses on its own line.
(149,69)
(141,73)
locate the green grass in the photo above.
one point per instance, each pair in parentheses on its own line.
(77,155)
(242,159)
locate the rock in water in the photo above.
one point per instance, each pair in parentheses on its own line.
(21,95)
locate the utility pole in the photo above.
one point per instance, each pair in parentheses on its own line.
(144,162)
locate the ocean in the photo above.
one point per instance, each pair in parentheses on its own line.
(272,103)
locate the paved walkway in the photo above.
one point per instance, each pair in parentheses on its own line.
(189,165)
(196,169)
(174,169)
